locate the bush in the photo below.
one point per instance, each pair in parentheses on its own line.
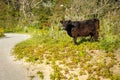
(110,42)
(1,32)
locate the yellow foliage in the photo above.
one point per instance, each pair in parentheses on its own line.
(1,32)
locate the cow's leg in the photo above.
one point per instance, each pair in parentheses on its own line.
(75,40)
(96,36)
(91,36)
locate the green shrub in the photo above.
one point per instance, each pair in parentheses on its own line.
(110,42)
(1,32)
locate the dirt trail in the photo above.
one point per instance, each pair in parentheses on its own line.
(10,69)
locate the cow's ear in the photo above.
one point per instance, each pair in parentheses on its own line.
(61,21)
(69,21)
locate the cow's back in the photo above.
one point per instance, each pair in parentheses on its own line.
(86,27)
(94,23)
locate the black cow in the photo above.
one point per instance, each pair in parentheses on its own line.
(82,28)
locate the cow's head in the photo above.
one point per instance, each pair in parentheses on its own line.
(65,24)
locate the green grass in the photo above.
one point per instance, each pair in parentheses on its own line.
(40,75)
(52,44)
(57,46)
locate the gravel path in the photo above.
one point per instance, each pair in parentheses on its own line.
(10,69)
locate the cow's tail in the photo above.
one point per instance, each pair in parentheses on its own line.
(97,25)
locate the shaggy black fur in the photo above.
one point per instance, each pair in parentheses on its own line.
(82,28)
